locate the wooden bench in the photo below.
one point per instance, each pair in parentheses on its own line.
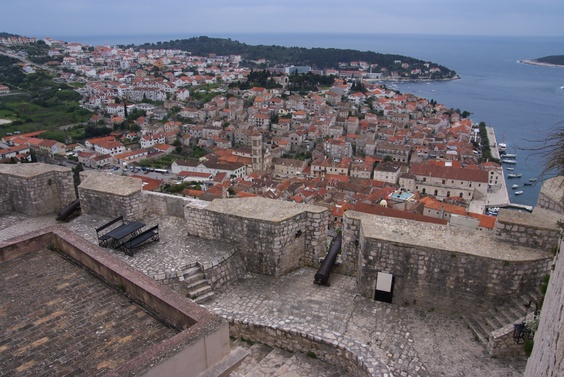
(104,239)
(150,235)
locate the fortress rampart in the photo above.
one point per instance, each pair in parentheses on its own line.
(431,266)
(467,269)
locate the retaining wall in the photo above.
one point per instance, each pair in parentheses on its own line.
(333,348)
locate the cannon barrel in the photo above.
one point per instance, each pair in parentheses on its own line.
(68,210)
(322,275)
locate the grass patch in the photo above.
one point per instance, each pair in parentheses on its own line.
(528,347)
(248,341)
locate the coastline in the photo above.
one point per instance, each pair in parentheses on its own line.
(534,62)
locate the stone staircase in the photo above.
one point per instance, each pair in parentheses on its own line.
(196,285)
(484,323)
(265,361)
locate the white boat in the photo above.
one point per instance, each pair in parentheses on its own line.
(518,192)
(514,175)
(509,155)
(510,168)
(507,161)
(532,180)
(515,186)
(502,147)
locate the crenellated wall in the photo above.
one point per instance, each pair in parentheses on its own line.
(35,189)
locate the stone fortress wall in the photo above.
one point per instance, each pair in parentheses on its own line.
(35,190)
(466,269)
(273,237)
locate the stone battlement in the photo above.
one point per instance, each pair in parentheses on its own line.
(274,237)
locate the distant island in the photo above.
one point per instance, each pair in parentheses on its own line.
(391,66)
(548,61)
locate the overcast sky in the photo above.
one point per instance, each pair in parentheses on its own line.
(51,18)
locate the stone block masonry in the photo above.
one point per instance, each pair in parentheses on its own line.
(547,358)
(551,195)
(337,349)
(537,230)
(35,189)
(273,237)
(467,270)
(111,196)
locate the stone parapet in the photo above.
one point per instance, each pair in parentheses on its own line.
(501,342)
(111,196)
(333,348)
(35,189)
(537,230)
(272,236)
(551,195)
(164,204)
(224,271)
(466,269)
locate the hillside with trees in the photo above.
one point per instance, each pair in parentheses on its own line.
(552,59)
(316,58)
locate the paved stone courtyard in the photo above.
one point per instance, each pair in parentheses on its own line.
(412,341)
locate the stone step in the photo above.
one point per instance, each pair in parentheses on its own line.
(199,291)
(192,274)
(479,331)
(492,322)
(227,365)
(301,365)
(204,298)
(192,286)
(271,363)
(509,312)
(482,324)
(192,278)
(191,270)
(257,352)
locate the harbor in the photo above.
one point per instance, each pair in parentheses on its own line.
(501,198)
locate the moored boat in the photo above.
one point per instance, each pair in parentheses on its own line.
(528,183)
(515,186)
(510,168)
(507,161)
(514,175)
(518,192)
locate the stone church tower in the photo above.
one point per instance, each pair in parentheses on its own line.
(257,153)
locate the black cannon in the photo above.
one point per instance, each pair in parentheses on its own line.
(68,210)
(322,275)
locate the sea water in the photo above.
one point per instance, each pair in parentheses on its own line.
(522,102)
